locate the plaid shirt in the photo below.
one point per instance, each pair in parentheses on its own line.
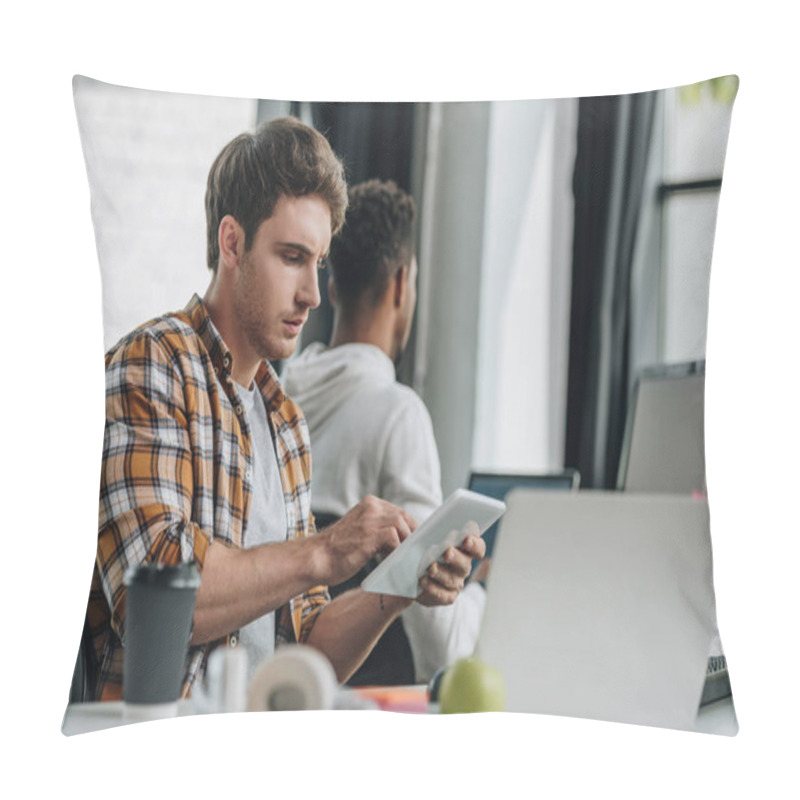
(177,474)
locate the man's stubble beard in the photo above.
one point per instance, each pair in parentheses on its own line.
(249,314)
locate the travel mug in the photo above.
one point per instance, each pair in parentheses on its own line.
(158,625)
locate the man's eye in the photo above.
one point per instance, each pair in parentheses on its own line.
(293,258)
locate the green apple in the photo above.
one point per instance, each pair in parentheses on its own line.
(471,685)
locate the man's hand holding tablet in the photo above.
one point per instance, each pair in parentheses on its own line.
(443,579)
(439,551)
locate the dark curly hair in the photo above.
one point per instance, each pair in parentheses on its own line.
(376,240)
(283,157)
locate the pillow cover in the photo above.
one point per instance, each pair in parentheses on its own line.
(572,241)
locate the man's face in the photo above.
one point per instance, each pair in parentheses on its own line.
(277,282)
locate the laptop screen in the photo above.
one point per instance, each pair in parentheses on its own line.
(664,450)
(498,485)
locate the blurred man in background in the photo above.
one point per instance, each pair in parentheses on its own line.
(371,434)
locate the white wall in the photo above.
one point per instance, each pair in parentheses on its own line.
(525,287)
(147,158)
(451,244)
(495,263)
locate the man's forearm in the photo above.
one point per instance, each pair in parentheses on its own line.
(348,628)
(240,585)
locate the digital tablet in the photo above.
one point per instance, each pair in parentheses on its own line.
(464,512)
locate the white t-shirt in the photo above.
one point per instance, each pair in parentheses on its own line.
(266,521)
(372,435)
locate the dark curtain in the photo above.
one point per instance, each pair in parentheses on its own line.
(374,140)
(614,138)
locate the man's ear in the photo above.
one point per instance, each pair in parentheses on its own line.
(230,237)
(400,286)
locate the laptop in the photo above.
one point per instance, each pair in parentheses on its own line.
(601,605)
(498,485)
(663,449)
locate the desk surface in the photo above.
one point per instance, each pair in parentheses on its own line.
(88,717)
(717,718)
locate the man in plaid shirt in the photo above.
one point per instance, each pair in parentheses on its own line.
(205,458)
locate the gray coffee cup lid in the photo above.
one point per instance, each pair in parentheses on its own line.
(170,576)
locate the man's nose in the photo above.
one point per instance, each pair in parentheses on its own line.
(308,294)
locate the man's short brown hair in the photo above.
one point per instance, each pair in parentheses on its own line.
(283,157)
(377,239)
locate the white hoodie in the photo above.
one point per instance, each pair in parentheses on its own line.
(372,435)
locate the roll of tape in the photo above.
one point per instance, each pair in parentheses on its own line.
(296,678)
